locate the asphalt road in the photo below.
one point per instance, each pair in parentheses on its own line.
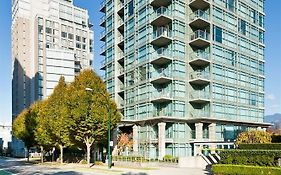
(21,167)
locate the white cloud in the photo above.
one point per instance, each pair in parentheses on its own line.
(270,97)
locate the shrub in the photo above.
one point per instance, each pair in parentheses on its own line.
(98,163)
(276,138)
(83,161)
(250,157)
(244,170)
(253,136)
(262,146)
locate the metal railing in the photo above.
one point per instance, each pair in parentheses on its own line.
(200,34)
(162,31)
(199,74)
(199,14)
(162,93)
(163,52)
(162,11)
(199,95)
(199,54)
(161,73)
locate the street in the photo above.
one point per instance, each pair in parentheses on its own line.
(21,167)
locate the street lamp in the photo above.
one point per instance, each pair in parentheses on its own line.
(108,129)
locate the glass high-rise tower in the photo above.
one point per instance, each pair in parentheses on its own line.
(186,74)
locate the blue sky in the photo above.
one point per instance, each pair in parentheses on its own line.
(272,53)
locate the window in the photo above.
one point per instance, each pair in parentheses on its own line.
(70,36)
(217,34)
(131,8)
(63,34)
(242,26)
(48,30)
(230,5)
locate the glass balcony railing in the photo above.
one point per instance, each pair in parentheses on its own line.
(103,48)
(102,19)
(162,11)
(120,71)
(162,31)
(199,54)
(199,95)
(199,114)
(162,93)
(199,75)
(102,35)
(159,113)
(102,4)
(200,34)
(163,52)
(199,14)
(161,73)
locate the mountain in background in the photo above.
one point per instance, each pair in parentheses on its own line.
(275,118)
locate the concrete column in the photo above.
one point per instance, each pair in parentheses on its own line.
(135,139)
(198,131)
(212,132)
(161,140)
(212,137)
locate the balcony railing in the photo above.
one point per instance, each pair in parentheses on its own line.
(162,94)
(102,35)
(199,54)
(103,48)
(159,113)
(163,52)
(161,73)
(199,114)
(199,75)
(102,19)
(200,34)
(162,11)
(199,95)
(162,31)
(102,5)
(199,14)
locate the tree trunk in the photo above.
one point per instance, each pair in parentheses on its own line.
(42,154)
(28,154)
(88,153)
(61,154)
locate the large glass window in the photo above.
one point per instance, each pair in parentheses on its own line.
(131,8)
(242,26)
(217,34)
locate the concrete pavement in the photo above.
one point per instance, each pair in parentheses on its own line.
(20,167)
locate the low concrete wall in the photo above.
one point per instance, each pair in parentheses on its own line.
(144,164)
(192,162)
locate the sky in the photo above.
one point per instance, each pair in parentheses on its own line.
(272,53)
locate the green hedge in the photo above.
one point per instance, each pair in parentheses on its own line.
(262,146)
(220,169)
(250,157)
(276,138)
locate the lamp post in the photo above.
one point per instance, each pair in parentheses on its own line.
(108,129)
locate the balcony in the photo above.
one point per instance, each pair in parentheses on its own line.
(199,38)
(121,25)
(120,41)
(161,76)
(159,3)
(199,4)
(199,97)
(102,21)
(199,114)
(102,35)
(199,78)
(103,50)
(162,56)
(121,57)
(161,96)
(199,19)
(162,17)
(161,113)
(103,64)
(162,36)
(120,9)
(102,6)
(199,58)
(121,104)
(120,72)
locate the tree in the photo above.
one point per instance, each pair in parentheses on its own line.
(89,110)
(24,126)
(253,136)
(124,140)
(57,117)
(42,130)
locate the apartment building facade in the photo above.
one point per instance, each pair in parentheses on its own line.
(50,39)
(186,74)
